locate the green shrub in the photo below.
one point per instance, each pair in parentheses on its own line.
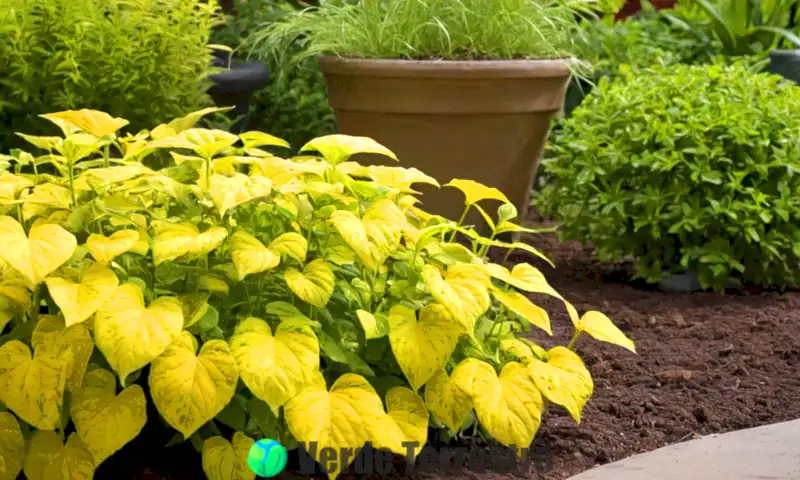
(684,168)
(294,106)
(145,60)
(639,42)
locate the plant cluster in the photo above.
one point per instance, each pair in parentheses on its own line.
(686,168)
(310,295)
(145,60)
(294,106)
(429,29)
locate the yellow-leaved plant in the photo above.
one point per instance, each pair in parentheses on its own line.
(304,299)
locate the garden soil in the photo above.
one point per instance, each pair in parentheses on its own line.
(706,363)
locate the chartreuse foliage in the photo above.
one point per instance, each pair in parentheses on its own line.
(305,299)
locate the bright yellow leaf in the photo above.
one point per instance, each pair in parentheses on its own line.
(255,139)
(47,248)
(475,192)
(337,419)
(275,368)
(523,307)
(339,148)
(49,459)
(142,246)
(213,284)
(463,290)
(406,421)
(12,447)
(422,347)
(100,179)
(105,249)
(105,421)
(225,461)
(385,223)
(189,389)
(33,388)
(314,285)
(563,379)
(78,301)
(446,401)
(15,297)
(509,406)
(518,349)
(229,192)
(396,177)
(174,241)
(73,344)
(93,122)
(354,233)
(372,327)
(528,278)
(131,335)
(44,198)
(11,186)
(186,122)
(250,256)
(202,141)
(195,306)
(602,328)
(291,244)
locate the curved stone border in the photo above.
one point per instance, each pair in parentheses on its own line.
(771,452)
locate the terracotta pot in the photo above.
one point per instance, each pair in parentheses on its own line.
(481,120)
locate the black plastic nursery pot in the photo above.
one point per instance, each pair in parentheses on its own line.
(785,63)
(235,86)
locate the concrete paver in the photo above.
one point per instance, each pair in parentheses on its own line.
(770,452)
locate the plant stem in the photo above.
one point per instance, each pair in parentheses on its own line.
(71,174)
(573,339)
(460,221)
(36,303)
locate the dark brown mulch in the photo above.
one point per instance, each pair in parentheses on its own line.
(707,363)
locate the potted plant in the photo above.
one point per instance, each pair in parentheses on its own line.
(457,89)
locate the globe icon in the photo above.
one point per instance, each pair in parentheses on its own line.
(267,458)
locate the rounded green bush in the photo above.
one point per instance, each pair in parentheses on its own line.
(685,168)
(143,60)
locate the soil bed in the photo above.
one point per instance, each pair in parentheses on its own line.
(707,363)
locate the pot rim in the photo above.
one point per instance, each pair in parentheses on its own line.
(385,67)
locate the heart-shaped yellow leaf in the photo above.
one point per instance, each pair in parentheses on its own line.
(255,139)
(45,198)
(337,419)
(338,148)
(186,122)
(47,248)
(78,301)
(105,249)
(406,421)
(229,192)
(15,297)
(421,348)
(528,278)
(373,327)
(93,122)
(397,177)
(73,344)
(174,241)
(314,285)
(49,459)
(602,328)
(12,447)
(105,421)
(131,335)
(290,244)
(204,142)
(509,407)
(250,256)
(475,192)
(563,379)
(195,306)
(225,461)
(354,234)
(33,388)
(11,186)
(517,349)
(190,389)
(464,290)
(523,307)
(275,368)
(142,246)
(446,401)
(385,223)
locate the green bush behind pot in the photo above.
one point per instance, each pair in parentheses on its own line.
(684,168)
(145,60)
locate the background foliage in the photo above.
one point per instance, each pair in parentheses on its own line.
(684,168)
(145,60)
(294,106)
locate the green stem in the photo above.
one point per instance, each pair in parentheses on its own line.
(460,221)
(106,154)
(36,303)
(574,339)
(71,174)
